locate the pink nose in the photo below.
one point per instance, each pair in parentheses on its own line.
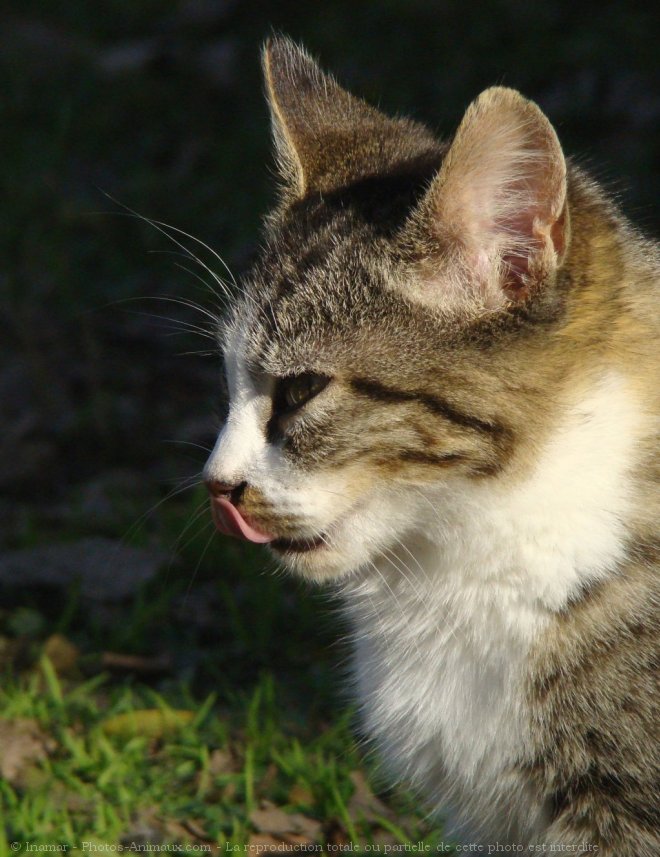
(228,519)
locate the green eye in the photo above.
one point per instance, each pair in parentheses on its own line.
(299,389)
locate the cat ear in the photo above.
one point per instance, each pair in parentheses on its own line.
(326,138)
(497,207)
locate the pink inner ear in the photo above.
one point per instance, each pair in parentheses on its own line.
(514,276)
(515,261)
(542,235)
(499,198)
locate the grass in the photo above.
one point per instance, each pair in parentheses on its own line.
(199,782)
(267,716)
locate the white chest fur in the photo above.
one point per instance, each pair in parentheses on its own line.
(444,623)
(440,680)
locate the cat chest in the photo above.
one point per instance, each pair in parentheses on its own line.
(443,695)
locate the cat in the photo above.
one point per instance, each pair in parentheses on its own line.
(443,401)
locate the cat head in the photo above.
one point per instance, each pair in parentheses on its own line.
(371,356)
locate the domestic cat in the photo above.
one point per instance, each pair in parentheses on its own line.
(443,401)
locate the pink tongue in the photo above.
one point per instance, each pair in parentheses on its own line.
(228,520)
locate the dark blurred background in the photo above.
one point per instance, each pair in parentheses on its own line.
(103,407)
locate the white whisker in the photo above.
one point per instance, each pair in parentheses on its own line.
(169,496)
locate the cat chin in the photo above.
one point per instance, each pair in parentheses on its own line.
(321,564)
(353,541)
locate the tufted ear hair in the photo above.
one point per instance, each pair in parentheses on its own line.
(497,205)
(326,138)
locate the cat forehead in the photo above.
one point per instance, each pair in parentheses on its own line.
(323,289)
(307,321)
(312,292)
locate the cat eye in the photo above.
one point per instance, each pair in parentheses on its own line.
(295,391)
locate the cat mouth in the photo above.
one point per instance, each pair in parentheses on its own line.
(229,520)
(307,545)
(324,541)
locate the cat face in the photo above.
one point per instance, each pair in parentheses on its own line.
(368,357)
(338,404)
